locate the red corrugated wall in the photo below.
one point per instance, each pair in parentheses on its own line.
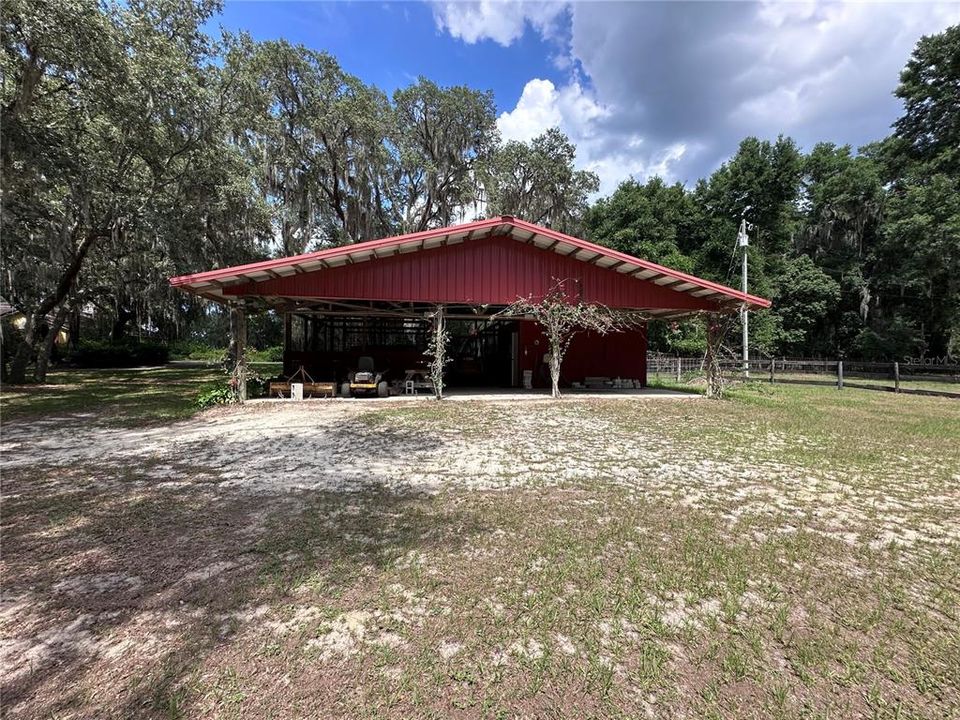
(490,271)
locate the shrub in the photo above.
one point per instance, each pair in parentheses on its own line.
(257,385)
(224,393)
(270,354)
(221,394)
(103,354)
(195,350)
(12,338)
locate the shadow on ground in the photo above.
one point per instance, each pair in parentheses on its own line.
(118,585)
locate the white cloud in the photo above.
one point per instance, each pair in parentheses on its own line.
(812,63)
(502,21)
(578,113)
(536,111)
(709,74)
(670,88)
(542,106)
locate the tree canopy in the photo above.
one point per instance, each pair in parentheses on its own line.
(537,181)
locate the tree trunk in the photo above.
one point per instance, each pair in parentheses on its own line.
(18,370)
(43,359)
(556,358)
(74,327)
(3,357)
(31,74)
(119,329)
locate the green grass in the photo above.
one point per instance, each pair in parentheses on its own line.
(692,382)
(122,397)
(906,382)
(118,396)
(675,605)
(851,426)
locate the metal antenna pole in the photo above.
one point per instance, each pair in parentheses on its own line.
(744,241)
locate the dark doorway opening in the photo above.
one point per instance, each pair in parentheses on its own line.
(483,351)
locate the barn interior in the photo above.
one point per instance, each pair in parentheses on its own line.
(485,350)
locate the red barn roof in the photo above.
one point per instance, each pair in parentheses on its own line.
(485,262)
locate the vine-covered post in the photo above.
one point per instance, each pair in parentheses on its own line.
(711,360)
(561,318)
(437,351)
(237,353)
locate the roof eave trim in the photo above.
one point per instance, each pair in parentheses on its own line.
(646,264)
(371,245)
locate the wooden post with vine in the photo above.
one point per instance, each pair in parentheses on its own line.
(437,351)
(711,360)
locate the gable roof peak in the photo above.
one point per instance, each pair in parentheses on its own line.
(209,284)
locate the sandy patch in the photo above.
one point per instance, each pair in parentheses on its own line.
(342,636)
(294,447)
(449,648)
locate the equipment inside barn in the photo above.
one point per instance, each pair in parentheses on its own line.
(365,380)
(309,388)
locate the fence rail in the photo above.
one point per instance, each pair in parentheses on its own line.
(908,378)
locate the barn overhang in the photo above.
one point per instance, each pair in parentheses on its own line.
(475,268)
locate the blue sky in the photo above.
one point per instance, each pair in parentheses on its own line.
(644,88)
(390,44)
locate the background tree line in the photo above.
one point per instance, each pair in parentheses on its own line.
(135,146)
(860,251)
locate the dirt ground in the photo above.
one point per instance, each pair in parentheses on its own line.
(518,559)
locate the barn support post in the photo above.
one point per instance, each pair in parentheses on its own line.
(287,333)
(711,361)
(238,351)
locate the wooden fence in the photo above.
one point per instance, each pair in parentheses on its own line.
(909,378)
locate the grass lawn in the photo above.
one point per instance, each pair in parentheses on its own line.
(694,383)
(906,382)
(125,396)
(790,552)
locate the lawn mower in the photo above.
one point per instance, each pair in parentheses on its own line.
(365,380)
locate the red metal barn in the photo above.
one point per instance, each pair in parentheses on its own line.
(373,299)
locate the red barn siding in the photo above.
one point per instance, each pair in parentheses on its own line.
(491,271)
